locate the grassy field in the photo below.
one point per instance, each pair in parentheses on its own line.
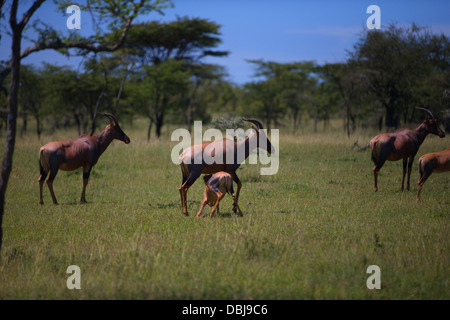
(309,232)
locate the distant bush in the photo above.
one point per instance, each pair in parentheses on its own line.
(224,123)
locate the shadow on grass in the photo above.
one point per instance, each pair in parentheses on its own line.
(77,203)
(174,204)
(228,215)
(193,207)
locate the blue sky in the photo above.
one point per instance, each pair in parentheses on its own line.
(281,31)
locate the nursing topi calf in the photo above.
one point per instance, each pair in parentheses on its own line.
(432,162)
(70,155)
(402,144)
(237,152)
(217,186)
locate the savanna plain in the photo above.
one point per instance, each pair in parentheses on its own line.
(308,232)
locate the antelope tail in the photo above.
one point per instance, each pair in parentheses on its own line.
(421,167)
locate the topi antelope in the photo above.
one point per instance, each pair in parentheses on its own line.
(432,162)
(70,155)
(402,144)
(237,152)
(217,186)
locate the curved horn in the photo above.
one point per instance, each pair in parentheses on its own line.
(427,111)
(110,116)
(255,122)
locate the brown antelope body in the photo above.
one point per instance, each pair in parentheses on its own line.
(192,169)
(217,186)
(432,162)
(83,151)
(402,144)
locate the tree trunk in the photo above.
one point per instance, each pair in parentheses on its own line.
(78,123)
(405,114)
(122,84)
(294,119)
(84,124)
(38,126)
(94,117)
(149,131)
(24,124)
(348,119)
(160,116)
(159,124)
(12,113)
(391,120)
(315,118)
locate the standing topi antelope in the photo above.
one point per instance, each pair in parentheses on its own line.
(217,186)
(432,162)
(402,144)
(237,153)
(70,155)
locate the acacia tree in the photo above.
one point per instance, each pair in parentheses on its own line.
(397,62)
(110,73)
(298,91)
(31,97)
(176,47)
(166,81)
(117,13)
(228,98)
(200,92)
(284,88)
(72,94)
(342,84)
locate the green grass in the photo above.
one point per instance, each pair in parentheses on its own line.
(309,232)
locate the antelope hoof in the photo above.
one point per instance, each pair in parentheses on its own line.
(41,202)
